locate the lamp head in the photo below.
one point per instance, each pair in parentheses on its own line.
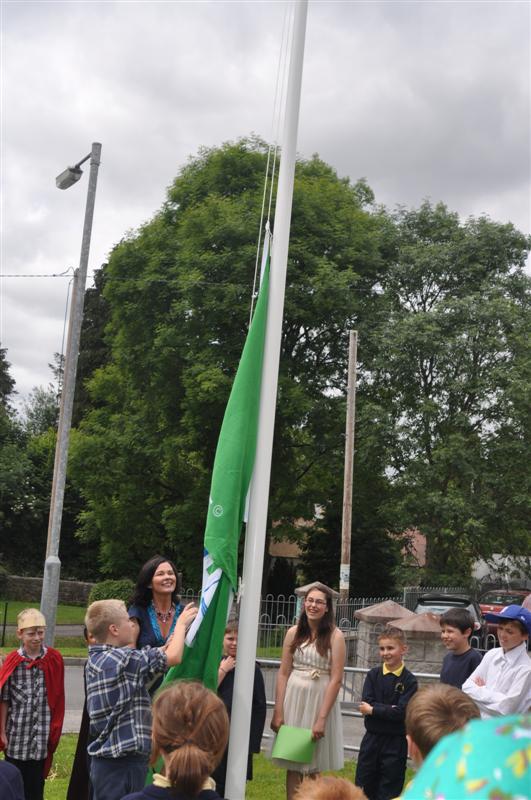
(67,178)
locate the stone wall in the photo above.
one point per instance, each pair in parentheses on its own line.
(29,589)
(425,655)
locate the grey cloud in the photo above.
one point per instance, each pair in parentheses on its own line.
(423,99)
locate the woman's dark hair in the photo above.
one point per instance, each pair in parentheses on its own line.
(142,594)
(191,727)
(327,624)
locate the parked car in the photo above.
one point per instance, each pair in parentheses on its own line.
(496,599)
(439,603)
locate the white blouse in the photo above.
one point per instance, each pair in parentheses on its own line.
(507,679)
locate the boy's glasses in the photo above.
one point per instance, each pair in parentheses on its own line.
(315,602)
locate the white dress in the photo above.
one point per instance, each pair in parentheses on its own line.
(305,690)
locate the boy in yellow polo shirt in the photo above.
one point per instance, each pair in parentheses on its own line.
(386,692)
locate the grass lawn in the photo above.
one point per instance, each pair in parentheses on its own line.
(66,615)
(269,652)
(57,782)
(73,646)
(268,782)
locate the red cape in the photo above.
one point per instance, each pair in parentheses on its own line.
(54,678)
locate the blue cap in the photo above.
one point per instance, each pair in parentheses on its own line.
(512,612)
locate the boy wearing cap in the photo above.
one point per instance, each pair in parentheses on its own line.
(501,684)
(32,703)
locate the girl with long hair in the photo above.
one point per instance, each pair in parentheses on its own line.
(308,683)
(190,732)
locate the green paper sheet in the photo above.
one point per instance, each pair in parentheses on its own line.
(294,744)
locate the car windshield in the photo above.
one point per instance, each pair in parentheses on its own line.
(440,608)
(503,599)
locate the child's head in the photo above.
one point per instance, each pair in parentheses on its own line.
(457,626)
(459,618)
(31,627)
(434,711)
(514,625)
(190,732)
(107,622)
(511,633)
(230,640)
(392,646)
(485,759)
(329,788)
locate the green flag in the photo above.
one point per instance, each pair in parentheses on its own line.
(231,475)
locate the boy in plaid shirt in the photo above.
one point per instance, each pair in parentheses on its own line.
(32,703)
(118,702)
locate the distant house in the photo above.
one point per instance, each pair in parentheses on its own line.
(284,549)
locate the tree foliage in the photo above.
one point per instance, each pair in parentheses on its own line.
(178,295)
(27,450)
(41,410)
(449,372)
(441,307)
(7,382)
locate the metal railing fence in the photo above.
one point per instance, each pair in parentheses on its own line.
(350,693)
(278,613)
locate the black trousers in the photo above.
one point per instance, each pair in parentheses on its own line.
(382,765)
(220,773)
(32,776)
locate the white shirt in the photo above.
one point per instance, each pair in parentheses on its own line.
(507,679)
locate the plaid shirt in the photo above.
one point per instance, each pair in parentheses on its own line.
(118,702)
(28,721)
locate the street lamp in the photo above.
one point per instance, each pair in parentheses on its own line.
(52,565)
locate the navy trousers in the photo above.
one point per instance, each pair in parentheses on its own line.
(382,765)
(32,776)
(113,778)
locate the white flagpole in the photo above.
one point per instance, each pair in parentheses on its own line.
(256,528)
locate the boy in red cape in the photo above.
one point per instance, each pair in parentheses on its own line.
(32,703)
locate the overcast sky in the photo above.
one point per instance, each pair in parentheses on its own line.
(424,99)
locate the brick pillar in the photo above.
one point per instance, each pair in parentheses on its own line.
(425,648)
(372,621)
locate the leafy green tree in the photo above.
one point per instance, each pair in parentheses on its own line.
(14,463)
(93,350)
(442,310)
(7,383)
(177,295)
(450,375)
(27,450)
(374,554)
(282,578)
(41,410)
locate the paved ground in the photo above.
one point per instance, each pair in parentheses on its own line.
(352,726)
(75,696)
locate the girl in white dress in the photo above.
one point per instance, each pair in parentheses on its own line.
(308,683)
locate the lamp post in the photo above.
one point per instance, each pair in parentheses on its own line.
(52,565)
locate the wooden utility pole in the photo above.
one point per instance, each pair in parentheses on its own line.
(344,572)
